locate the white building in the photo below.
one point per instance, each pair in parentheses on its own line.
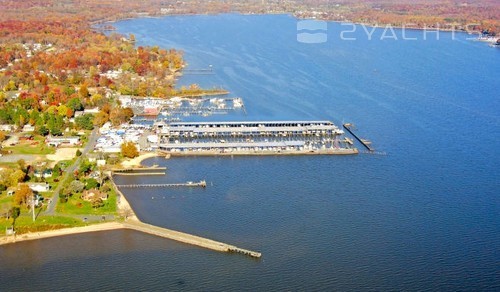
(56,141)
(39,187)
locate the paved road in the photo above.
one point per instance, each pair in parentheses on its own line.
(69,171)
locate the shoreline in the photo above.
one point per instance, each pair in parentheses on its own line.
(137,162)
(133,223)
(60,232)
(379,26)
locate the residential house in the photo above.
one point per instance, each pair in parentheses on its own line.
(28,128)
(39,187)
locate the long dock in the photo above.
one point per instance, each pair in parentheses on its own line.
(189,239)
(362,141)
(202,184)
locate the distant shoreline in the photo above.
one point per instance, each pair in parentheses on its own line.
(381,26)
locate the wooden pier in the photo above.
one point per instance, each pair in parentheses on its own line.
(362,141)
(202,184)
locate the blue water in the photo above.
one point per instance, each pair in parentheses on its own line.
(423,217)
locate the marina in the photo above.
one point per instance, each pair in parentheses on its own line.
(252,138)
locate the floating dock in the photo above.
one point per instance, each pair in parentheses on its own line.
(252,138)
(202,184)
(363,142)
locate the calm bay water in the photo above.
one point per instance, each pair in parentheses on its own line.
(424,217)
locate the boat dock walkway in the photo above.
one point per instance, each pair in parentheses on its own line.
(363,142)
(202,184)
(188,238)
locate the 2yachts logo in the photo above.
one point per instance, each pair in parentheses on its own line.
(312,32)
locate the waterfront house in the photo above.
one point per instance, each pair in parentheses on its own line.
(39,187)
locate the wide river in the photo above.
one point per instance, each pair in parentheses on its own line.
(423,217)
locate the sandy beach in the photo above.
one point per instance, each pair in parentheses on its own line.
(61,232)
(136,162)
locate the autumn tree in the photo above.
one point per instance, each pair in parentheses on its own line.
(120,115)
(3,136)
(23,195)
(129,150)
(101,118)
(16,177)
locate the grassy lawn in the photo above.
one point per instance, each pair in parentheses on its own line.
(38,149)
(77,206)
(24,224)
(4,199)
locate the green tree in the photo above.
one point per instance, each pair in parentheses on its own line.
(75,186)
(42,130)
(75,104)
(85,122)
(91,183)
(22,164)
(86,166)
(15,212)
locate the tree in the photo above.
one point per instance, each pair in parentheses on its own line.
(78,153)
(85,122)
(120,115)
(75,104)
(129,150)
(84,92)
(22,164)
(91,183)
(101,118)
(56,172)
(16,177)
(42,130)
(85,166)
(75,186)
(15,212)
(3,136)
(23,195)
